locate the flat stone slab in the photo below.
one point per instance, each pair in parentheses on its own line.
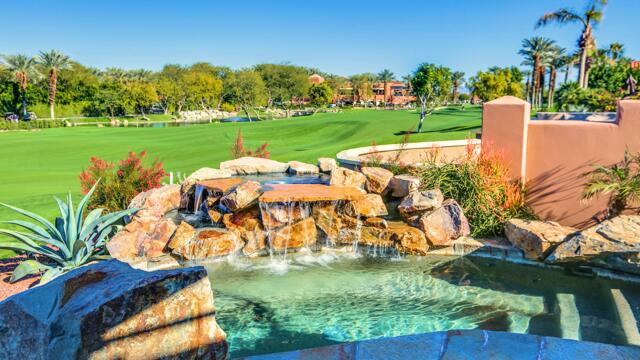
(462,344)
(309,193)
(220,186)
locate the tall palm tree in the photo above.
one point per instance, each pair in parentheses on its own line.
(386,76)
(615,51)
(527,73)
(570,61)
(458,79)
(53,61)
(534,51)
(555,60)
(22,67)
(591,16)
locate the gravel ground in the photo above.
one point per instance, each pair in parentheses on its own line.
(6,268)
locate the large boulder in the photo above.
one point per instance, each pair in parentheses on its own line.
(300,234)
(243,196)
(535,238)
(408,239)
(377,179)
(156,202)
(371,205)
(326,165)
(444,224)
(204,173)
(327,219)
(251,165)
(403,185)
(209,243)
(613,244)
(182,236)
(345,177)
(279,214)
(109,310)
(419,202)
(300,168)
(248,226)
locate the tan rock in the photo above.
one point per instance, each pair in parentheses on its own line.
(309,193)
(371,205)
(418,202)
(204,174)
(444,224)
(328,220)
(403,185)
(209,243)
(252,165)
(248,226)
(242,196)
(345,177)
(326,165)
(408,239)
(535,238)
(298,235)
(279,214)
(154,245)
(376,222)
(182,236)
(300,168)
(377,179)
(215,216)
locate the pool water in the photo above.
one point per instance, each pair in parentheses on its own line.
(311,300)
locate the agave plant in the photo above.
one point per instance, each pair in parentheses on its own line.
(621,181)
(72,241)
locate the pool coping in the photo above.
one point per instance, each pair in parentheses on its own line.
(461,344)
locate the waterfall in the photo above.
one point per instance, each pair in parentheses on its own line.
(198,198)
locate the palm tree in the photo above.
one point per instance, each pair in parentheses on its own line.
(555,60)
(615,51)
(458,79)
(53,61)
(527,73)
(570,62)
(591,16)
(534,51)
(385,76)
(22,67)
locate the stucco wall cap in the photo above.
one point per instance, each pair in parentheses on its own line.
(507,100)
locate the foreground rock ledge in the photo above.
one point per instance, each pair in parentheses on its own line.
(112,311)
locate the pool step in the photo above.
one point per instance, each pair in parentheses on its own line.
(627,318)
(569,316)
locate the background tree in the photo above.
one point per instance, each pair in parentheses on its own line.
(203,90)
(534,51)
(285,84)
(432,85)
(385,76)
(247,90)
(140,96)
(588,18)
(320,95)
(53,61)
(615,51)
(362,87)
(23,67)
(497,82)
(555,60)
(458,79)
(172,92)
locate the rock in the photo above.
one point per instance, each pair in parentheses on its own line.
(408,239)
(365,235)
(376,222)
(153,246)
(182,236)
(420,202)
(157,202)
(377,179)
(613,243)
(251,165)
(242,196)
(248,226)
(326,165)
(371,205)
(214,215)
(403,185)
(204,174)
(300,168)
(209,243)
(535,238)
(278,214)
(109,310)
(444,224)
(298,235)
(286,193)
(327,220)
(345,177)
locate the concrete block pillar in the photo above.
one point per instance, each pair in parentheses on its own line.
(505,123)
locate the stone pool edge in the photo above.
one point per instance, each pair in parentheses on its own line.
(461,344)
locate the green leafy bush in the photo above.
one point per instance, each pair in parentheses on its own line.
(480,183)
(120,183)
(28,125)
(72,240)
(572,98)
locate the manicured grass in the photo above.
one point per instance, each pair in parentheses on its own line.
(37,165)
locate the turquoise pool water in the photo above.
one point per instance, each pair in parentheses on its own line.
(318,299)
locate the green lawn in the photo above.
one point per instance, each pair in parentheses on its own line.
(36,165)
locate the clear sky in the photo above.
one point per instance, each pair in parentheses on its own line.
(343,37)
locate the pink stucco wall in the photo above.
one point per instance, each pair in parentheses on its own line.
(551,156)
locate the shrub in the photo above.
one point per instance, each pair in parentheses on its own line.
(73,241)
(28,125)
(573,98)
(227,107)
(480,183)
(238,149)
(120,183)
(621,181)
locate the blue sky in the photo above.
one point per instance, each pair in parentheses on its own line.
(343,37)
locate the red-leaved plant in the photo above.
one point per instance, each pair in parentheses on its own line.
(238,150)
(120,183)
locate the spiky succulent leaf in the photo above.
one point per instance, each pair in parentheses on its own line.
(26,268)
(51,274)
(47,225)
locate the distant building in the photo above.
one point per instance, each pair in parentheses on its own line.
(316,79)
(635,64)
(397,93)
